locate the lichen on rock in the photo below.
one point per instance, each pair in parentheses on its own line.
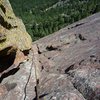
(12,30)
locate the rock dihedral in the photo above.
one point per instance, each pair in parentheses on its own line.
(68,66)
(13,34)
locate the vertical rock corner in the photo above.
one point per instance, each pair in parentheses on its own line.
(15,43)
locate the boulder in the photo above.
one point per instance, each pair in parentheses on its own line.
(13,35)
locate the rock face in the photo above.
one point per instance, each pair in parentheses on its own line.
(66,64)
(70,62)
(13,39)
(13,34)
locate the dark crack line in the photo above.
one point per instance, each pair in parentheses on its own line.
(75,86)
(79,91)
(37,79)
(39,52)
(25,89)
(78,24)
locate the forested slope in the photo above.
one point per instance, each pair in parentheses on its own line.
(43,17)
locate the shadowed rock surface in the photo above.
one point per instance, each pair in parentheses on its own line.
(67,65)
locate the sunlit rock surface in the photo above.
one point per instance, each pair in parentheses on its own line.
(68,66)
(13,34)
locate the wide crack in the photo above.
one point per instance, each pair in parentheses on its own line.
(11,72)
(6,61)
(7,67)
(3,8)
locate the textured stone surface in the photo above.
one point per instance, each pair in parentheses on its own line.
(16,87)
(67,65)
(71,58)
(13,34)
(13,39)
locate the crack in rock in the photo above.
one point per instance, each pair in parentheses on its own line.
(25,89)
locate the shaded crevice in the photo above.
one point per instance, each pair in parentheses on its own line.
(81,37)
(39,52)
(26,52)
(94,59)
(6,61)
(56,47)
(9,17)
(81,62)
(11,72)
(7,66)
(2,37)
(3,8)
(69,68)
(78,90)
(14,26)
(4,23)
(37,97)
(2,40)
(51,48)
(41,96)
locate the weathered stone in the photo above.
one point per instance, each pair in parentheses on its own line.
(13,34)
(75,51)
(67,65)
(21,85)
(13,39)
(58,87)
